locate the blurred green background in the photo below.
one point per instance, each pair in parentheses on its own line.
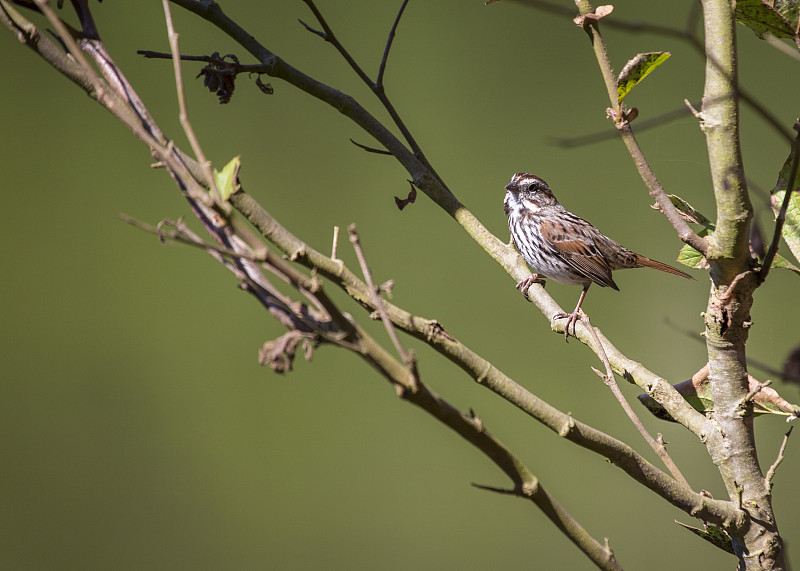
(139,431)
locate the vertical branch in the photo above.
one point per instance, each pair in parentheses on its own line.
(183,112)
(732,445)
(720,123)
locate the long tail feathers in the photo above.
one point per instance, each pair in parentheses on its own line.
(648,263)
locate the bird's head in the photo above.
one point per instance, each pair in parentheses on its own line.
(529,190)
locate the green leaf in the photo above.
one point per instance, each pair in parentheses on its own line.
(227,179)
(713,534)
(688,256)
(690,213)
(637,69)
(791,226)
(782,263)
(776,17)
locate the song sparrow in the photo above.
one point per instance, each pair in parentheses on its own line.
(563,247)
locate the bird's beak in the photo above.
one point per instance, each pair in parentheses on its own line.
(512,186)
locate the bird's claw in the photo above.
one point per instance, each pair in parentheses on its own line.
(572,319)
(524,285)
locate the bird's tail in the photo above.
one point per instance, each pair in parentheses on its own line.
(648,263)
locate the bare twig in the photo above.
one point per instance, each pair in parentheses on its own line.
(335,243)
(389,40)
(183,113)
(771,472)
(371,149)
(212,59)
(377,300)
(685,233)
(757,389)
(610,381)
(376,86)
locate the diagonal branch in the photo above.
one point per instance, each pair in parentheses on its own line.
(377,301)
(427,181)
(376,86)
(183,113)
(609,380)
(427,330)
(695,504)
(685,233)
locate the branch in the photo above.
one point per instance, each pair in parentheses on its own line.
(183,113)
(720,123)
(427,181)
(377,301)
(732,446)
(486,374)
(686,34)
(685,233)
(771,472)
(471,428)
(611,383)
(389,40)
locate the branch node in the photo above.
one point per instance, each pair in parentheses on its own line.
(319,33)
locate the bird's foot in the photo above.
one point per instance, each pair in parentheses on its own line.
(525,284)
(572,319)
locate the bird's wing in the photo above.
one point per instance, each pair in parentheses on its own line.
(579,250)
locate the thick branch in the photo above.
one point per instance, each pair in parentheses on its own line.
(471,428)
(429,183)
(720,123)
(697,505)
(727,317)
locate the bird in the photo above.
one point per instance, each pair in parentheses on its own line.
(562,246)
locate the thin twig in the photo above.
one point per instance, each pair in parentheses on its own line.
(757,389)
(328,35)
(611,382)
(377,88)
(335,242)
(182,238)
(371,149)
(406,357)
(183,113)
(779,221)
(771,472)
(389,40)
(218,61)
